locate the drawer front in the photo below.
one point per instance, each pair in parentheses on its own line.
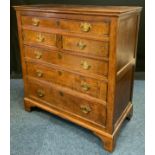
(95,112)
(41,38)
(99,29)
(89,47)
(69,61)
(76,82)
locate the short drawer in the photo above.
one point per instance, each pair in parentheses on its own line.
(91,28)
(79,83)
(72,62)
(48,94)
(85,46)
(40,38)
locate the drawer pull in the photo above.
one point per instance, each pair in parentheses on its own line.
(59,56)
(40,93)
(39,73)
(38,54)
(85,86)
(85,27)
(85,65)
(40,38)
(35,21)
(81,45)
(85,109)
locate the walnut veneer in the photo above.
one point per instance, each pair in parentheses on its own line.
(78,63)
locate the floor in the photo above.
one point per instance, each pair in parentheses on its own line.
(41,133)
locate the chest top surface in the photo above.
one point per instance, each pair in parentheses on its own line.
(93,9)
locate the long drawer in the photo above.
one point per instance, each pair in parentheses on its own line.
(94,112)
(92,87)
(91,28)
(72,62)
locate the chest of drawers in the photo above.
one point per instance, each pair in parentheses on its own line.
(78,63)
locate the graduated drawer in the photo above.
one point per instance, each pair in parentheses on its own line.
(97,28)
(72,62)
(92,87)
(41,38)
(54,96)
(85,46)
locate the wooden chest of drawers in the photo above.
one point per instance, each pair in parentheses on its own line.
(78,63)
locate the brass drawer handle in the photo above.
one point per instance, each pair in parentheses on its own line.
(38,54)
(85,109)
(59,56)
(85,65)
(39,73)
(40,38)
(85,27)
(40,93)
(81,45)
(35,21)
(85,86)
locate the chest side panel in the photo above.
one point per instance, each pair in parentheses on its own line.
(126,57)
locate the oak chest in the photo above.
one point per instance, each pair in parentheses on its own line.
(78,63)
